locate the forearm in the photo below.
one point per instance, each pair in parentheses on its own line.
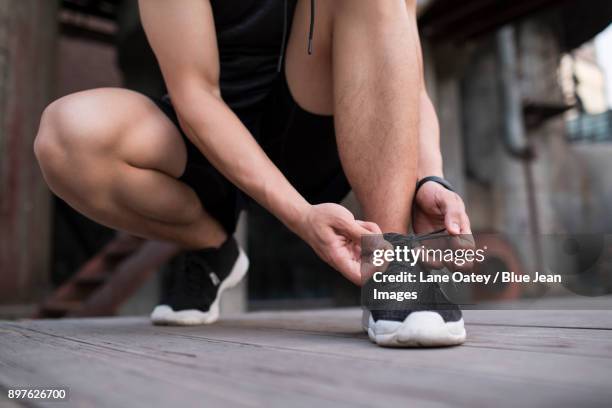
(430,158)
(182,35)
(229,146)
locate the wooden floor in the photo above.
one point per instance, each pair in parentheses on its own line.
(314,359)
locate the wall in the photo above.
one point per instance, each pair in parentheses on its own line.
(27,54)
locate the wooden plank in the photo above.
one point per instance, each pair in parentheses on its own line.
(539,330)
(577,319)
(5,402)
(463,360)
(224,372)
(313,357)
(102,376)
(568,312)
(324,363)
(580,342)
(574,313)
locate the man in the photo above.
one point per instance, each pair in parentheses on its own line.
(282,102)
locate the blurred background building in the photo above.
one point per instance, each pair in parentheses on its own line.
(522,89)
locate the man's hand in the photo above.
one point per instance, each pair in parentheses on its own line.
(334,234)
(437,208)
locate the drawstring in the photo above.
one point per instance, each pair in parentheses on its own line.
(281,55)
(312,22)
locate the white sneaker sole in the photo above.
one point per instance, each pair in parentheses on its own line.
(166,316)
(419,329)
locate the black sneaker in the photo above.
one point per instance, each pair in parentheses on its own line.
(432,321)
(196,281)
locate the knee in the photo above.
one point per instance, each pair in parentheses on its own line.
(63,139)
(49,144)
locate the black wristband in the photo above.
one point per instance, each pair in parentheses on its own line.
(435,179)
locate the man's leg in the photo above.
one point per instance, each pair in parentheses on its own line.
(368,53)
(115,157)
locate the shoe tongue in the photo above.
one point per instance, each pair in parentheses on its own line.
(220,260)
(400,240)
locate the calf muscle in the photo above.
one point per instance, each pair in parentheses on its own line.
(377,83)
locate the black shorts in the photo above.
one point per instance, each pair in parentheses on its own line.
(301,144)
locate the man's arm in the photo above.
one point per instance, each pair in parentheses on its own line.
(430,158)
(183,38)
(435,206)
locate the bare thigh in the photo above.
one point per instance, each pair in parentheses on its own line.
(89,141)
(310,77)
(115,122)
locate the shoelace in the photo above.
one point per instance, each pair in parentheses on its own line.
(435,235)
(430,235)
(412,240)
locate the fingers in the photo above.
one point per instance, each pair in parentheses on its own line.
(458,223)
(456,220)
(466,228)
(354,231)
(350,268)
(373,228)
(354,273)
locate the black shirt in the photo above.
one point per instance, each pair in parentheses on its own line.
(250,37)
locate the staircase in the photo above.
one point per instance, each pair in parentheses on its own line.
(108,279)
